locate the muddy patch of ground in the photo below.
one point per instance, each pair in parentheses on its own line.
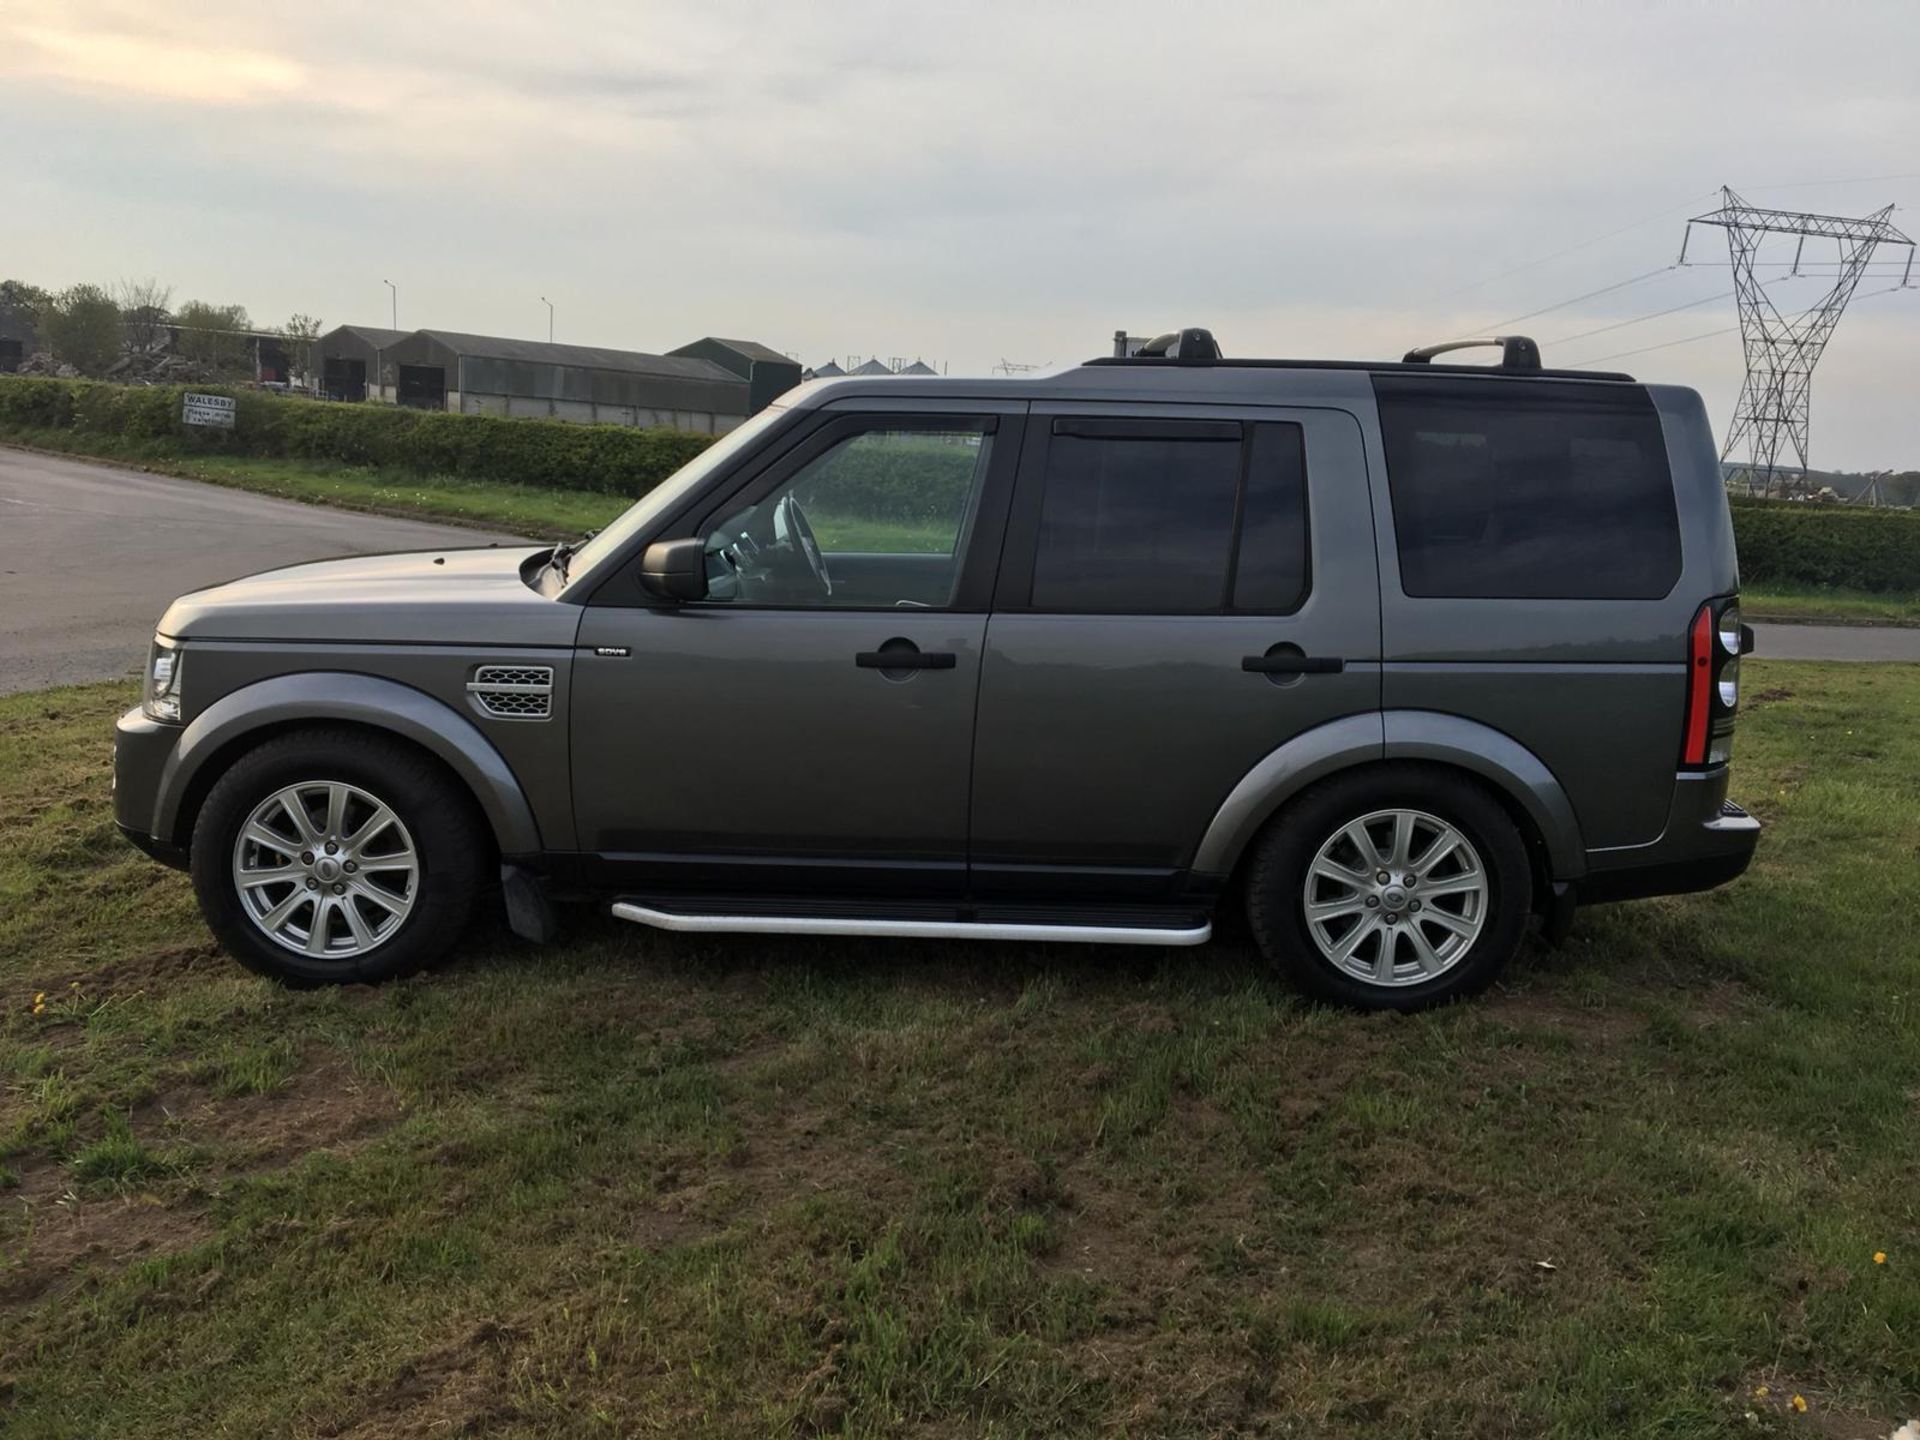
(55,1237)
(325,1106)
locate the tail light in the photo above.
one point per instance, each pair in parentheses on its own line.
(1715,642)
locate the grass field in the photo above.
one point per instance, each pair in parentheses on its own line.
(642,1184)
(1850,607)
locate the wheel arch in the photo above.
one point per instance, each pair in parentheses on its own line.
(245,718)
(1515,775)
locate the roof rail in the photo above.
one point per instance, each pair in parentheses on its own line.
(1517,352)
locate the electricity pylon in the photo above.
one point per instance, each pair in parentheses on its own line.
(1775,401)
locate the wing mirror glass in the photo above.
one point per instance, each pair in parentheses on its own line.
(675,570)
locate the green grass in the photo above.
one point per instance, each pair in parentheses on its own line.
(538,512)
(642,1184)
(1809,602)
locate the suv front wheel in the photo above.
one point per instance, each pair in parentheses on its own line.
(1394,889)
(336,856)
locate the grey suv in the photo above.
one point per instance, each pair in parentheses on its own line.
(1410,655)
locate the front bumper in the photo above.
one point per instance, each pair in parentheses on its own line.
(141,749)
(1708,841)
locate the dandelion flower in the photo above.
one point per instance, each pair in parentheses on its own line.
(1879,1257)
(40,1008)
(1759,1392)
(1799,1403)
(39,997)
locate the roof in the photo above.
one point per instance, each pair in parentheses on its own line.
(584,357)
(918,367)
(752,349)
(872,367)
(821,372)
(375,335)
(1380,367)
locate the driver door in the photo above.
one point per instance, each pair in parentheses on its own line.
(807,730)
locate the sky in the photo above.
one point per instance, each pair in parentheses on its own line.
(977,183)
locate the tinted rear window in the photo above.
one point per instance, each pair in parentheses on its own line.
(1211,516)
(1141,525)
(1528,490)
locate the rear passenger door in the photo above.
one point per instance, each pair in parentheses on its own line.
(1153,555)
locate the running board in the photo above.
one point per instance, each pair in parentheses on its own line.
(909,929)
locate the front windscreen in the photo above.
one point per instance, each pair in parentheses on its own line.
(637,516)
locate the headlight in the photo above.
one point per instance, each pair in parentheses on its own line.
(161,700)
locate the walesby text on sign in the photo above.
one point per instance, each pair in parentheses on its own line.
(207,410)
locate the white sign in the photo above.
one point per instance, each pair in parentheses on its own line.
(207,410)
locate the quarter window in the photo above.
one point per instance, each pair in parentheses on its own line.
(1188,518)
(1528,490)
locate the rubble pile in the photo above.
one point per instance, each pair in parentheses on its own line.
(147,367)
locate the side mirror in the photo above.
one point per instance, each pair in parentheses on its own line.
(675,569)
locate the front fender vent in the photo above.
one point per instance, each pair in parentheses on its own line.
(513,692)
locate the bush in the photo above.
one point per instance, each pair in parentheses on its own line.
(611,458)
(1792,543)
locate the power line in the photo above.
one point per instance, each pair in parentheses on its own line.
(1648,349)
(1857,180)
(1686,204)
(1660,215)
(1642,319)
(1549,309)
(1708,334)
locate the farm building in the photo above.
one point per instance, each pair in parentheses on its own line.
(495,375)
(768,373)
(351,361)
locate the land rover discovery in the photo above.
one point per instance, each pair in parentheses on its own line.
(1403,656)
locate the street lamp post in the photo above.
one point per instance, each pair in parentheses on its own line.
(549,304)
(396,301)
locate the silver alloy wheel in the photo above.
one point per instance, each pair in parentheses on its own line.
(326,869)
(1396,897)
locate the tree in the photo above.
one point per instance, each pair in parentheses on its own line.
(301,331)
(143,308)
(22,302)
(214,335)
(82,327)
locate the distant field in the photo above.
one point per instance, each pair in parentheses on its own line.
(1859,607)
(641,1184)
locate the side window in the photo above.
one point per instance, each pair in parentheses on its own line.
(1528,490)
(881,520)
(1206,517)
(1270,573)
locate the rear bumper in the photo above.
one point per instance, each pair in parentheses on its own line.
(1708,841)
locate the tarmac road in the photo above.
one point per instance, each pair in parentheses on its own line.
(1836,642)
(91,554)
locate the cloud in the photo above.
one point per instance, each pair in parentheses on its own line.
(970,181)
(114,64)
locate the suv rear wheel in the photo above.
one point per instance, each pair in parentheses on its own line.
(1395,889)
(334,856)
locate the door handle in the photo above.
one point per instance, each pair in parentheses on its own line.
(1293,664)
(906,659)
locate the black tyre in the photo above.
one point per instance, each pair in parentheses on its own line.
(1394,888)
(331,856)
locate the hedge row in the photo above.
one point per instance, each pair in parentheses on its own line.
(612,458)
(1794,543)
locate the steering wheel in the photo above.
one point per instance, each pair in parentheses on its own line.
(790,528)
